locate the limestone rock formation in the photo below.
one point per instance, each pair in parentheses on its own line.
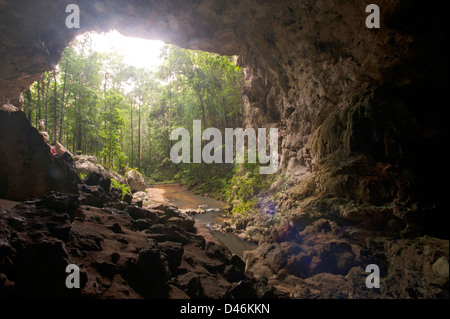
(27,167)
(88,164)
(135,180)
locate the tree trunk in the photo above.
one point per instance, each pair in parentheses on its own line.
(67,137)
(38,115)
(46,102)
(104,92)
(62,106)
(85,142)
(54,109)
(197,89)
(139,138)
(78,124)
(200,97)
(132,137)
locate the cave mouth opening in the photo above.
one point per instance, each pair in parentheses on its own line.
(142,87)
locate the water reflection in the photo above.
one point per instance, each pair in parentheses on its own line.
(185,199)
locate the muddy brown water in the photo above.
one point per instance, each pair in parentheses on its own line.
(184,199)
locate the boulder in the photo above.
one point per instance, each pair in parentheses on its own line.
(149,274)
(95,178)
(174,252)
(141,197)
(186,223)
(86,164)
(142,213)
(27,167)
(93,195)
(116,194)
(127,198)
(135,180)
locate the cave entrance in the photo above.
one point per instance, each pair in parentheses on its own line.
(118,98)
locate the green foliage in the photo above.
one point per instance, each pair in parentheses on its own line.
(245,184)
(114,121)
(124,115)
(195,85)
(82,176)
(125,188)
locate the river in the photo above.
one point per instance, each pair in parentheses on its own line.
(184,199)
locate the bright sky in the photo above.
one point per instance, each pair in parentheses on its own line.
(137,52)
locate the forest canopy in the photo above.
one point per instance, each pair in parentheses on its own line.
(96,104)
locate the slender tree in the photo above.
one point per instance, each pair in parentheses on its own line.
(38,116)
(55,136)
(131,133)
(61,123)
(46,101)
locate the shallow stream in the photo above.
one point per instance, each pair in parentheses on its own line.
(184,199)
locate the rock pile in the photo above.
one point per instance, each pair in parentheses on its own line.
(122,253)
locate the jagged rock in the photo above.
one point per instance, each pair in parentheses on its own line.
(186,223)
(116,228)
(167,208)
(119,205)
(88,164)
(424,258)
(191,211)
(115,194)
(60,149)
(94,178)
(143,198)
(142,213)
(190,283)
(142,224)
(233,274)
(127,198)
(116,259)
(59,203)
(27,168)
(440,268)
(174,252)
(93,195)
(45,136)
(135,180)
(150,273)
(243,290)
